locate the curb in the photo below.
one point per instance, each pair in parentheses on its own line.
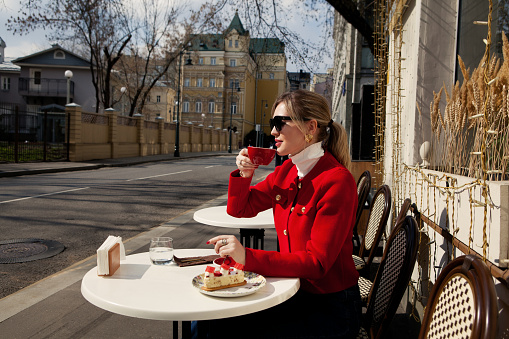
(48,170)
(92,166)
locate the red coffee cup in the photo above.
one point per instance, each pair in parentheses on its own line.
(260,155)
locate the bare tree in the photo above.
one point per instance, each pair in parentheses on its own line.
(99,25)
(160,33)
(106,29)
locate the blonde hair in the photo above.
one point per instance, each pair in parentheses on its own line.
(302,104)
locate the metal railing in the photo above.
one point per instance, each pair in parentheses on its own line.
(44,87)
(27,136)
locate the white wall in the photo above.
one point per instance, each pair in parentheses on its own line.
(428,62)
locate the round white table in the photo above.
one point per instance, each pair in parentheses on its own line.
(250,228)
(142,290)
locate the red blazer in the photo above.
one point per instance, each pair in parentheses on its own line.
(314,219)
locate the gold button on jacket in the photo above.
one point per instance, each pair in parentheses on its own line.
(278,197)
(284,232)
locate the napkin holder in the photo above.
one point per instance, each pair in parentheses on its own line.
(109,256)
(113,259)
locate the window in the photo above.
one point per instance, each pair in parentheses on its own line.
(185,107)
(37,77)
(367,59)
(200,61)
(158,98)
(198,107)
(199,82)
(219,94)
(212,106)
(213,60)
(234,108)
(303,86)
(259,75)
(6,83)
(187,82)
(271,75)
(234,83)
(230,43)
(59,55)
(236,43)
(212,82)
(233,62)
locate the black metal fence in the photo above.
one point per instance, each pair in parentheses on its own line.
(33,136)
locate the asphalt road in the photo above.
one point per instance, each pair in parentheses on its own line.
(80,209)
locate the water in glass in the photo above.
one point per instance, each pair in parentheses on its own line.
(161,250)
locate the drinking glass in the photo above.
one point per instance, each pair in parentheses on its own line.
(161,250)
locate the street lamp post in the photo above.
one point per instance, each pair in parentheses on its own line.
(177,127)
(123,90)
(231,119)
(262,117)
(68,75)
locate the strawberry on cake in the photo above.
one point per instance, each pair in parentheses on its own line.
(225,277)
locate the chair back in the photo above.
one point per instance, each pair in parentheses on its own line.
(363,188)
(403,211)
(466,286)
(377,221)
(392,277)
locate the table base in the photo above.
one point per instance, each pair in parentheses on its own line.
(186,330)
(252,238)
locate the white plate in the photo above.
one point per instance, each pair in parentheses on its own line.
(254,282)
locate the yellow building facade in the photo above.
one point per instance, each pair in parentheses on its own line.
(232,80)
(160,102)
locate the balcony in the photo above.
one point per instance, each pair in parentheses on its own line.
(44,87)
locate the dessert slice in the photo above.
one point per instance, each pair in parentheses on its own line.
(225,277)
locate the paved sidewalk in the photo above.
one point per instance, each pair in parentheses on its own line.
(28,168)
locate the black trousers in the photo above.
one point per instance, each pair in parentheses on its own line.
(305,315)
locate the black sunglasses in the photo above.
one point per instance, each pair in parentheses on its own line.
(278,122)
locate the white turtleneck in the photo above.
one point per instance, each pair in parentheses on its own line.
(306,159)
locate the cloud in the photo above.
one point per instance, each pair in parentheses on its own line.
(18,46)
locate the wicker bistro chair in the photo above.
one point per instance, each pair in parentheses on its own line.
(462,303)
(391,279)
(365,284)
(377,220)
(363,188)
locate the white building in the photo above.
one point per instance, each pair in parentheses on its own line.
(352,95)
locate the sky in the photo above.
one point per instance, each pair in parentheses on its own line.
(18,46)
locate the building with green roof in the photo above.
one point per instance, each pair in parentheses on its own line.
(233,80)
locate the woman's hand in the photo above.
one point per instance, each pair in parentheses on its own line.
(229,246)
(244,164)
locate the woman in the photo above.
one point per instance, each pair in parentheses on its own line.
(314,198)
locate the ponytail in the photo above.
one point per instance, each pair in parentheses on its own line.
(336,142)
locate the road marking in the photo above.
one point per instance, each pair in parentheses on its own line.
(44,195)
(212,166)
(160,175)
